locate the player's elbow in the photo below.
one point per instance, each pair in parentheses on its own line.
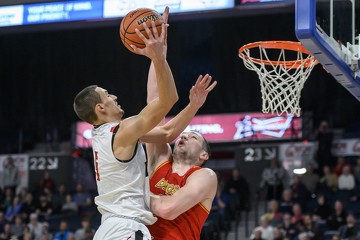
(167,103)
(173,98)
(165,211)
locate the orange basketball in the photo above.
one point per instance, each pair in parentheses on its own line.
(134,19)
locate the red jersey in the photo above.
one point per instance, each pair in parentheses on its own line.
(188,225)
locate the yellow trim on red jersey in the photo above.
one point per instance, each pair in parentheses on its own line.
(203,207)
(164,163)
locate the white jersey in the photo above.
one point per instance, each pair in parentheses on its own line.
(121,184)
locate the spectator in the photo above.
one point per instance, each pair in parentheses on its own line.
(85,232)
(2,221)
(17,229)
(273,216)
(22,194)
(45,231)
(286,202)
(310,179)
(278,234)
(238,191)
(310,228)
(28,207)
(303,236)
(69,206)
(44,209)
(13,210)
(257,235)
(299,191)
(357,170)
(218,213)
(272,180)
(329,180)
(351,229)
(289,229)
(81,196)
(338,216)
(267,231)
(63,232)
(341,162)
(59,198)
(324,137)
(323,210)
(35,227)
(6,234)
(10,176)
(47,182)
(27,235)
(346,179)
(6,200)
(297,215)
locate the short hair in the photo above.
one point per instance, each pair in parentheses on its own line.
(85,102)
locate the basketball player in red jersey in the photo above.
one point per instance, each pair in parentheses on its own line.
(184,190)
(119,157)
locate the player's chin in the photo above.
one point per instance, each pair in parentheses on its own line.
(121,114)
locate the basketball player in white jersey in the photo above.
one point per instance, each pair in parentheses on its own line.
(119,158)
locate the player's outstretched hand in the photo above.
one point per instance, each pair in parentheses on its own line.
(155,44)
(199,92)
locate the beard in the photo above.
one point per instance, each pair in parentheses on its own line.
(182,154)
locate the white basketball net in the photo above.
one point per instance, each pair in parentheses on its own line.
(281,80)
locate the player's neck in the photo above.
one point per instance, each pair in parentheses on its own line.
(180,168)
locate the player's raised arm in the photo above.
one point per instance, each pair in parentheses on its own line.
(135,127)
(168,132)
(157,148)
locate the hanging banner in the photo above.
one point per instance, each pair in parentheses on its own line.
(346,147)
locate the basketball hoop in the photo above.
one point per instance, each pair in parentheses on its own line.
(283,79)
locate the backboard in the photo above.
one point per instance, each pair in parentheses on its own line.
(327,30)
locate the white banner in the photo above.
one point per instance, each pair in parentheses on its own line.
(21,162)
(346,147)
(297,155)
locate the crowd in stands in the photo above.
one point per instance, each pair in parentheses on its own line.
(322,204)
(49,212)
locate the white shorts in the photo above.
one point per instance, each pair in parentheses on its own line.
(117,228)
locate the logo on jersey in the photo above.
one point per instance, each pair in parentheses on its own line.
(169,189)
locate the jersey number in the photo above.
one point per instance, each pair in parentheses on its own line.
(96,166)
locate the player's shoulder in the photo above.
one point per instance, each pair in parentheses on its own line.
(206,173)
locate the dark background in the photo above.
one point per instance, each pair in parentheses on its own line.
(41,72)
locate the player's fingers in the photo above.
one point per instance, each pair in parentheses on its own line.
(136,50)
(166,31)
(198,80)
(206,80)
(154,29)
(163,34)
(166,14)
(140,35)
(148,31)
(211,87)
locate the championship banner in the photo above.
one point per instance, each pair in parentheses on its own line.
(21,162)
(346,147)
